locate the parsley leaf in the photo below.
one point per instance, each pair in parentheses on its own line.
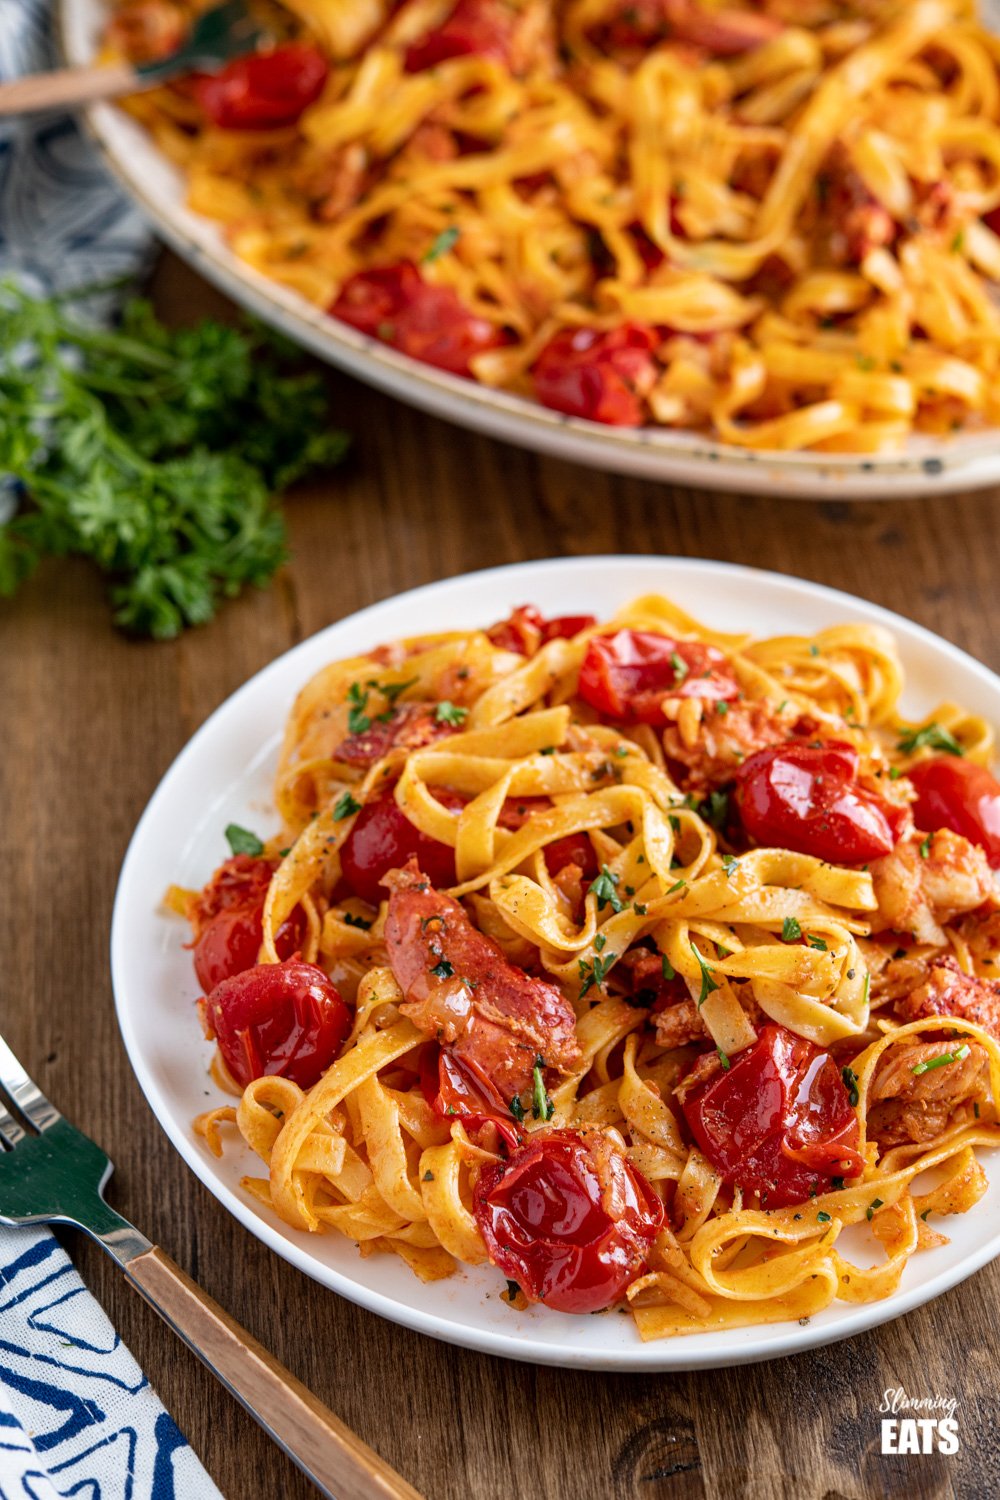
(669,972)
(595,973)
(680,666)
(708,984)
(441,244)
(357,720)
(152,451)
(517,1108)
(541,1105)
(816,942)
(931,736)
(345,806)
(443,970)
(242,841)
(851,1085)
(730,864)
(873,1205)
(715,809)
(450,713)
(605,889)
(791,931)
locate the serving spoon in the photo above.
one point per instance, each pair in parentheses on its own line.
(224,32)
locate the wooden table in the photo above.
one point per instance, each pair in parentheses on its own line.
(90,723)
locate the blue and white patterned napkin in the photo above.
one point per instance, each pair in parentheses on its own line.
(77,1415)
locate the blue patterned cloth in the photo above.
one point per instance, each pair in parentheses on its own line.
(77,1415)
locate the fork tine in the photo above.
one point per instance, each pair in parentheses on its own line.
(10,1131)
(25,1093)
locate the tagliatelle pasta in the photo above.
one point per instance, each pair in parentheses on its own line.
(639,959)
(774,222)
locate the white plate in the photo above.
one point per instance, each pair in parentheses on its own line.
(925,467)
(224,776)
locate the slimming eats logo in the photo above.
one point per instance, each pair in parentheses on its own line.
(918,1424)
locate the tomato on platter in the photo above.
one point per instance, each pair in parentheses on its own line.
(960,795)
(627,675)
(264,90)
(778,1121)
(228,921)
(568,1218)
(383,839)
(429,323)
(283,1019)
(526,628)
(806,797)
(475,28)
(602,376)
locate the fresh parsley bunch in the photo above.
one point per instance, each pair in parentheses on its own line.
(154,451)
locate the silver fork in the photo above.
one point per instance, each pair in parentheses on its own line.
(51,1173)
(218,34)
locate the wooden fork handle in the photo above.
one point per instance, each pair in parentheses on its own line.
(330,1454)
(68,86)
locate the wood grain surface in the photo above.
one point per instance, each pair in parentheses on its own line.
(90,723)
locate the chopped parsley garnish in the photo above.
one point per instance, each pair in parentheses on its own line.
(708,984)
(730,864)
(873,1205)
(678,885)
(599,942)
(680,666)
(816,942)
(931,737)
(605,889)
(541,1105)
(345,806)
(428,1176)
(242,841)
(669,972)
(724,1060)
(357,720)
(791,931)
(851,1085)
(822,1217)
(449,713)
(814,649)
(715,808)
(443,970)
(352,921)
(639,908)
(836,1183)
(925,847)
(517,1108)
(441,244)
(595,973)
(941,1061)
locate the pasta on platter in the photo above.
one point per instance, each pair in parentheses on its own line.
(777,223)
(639,959)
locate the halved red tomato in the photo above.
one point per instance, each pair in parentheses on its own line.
(627,675)
(429,323)
(960,795)
(806,797)
(285,1019)
(603,376)
(265,90)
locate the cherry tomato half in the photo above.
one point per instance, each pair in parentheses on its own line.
(429,323)
(286,1019)
(525,629)
(475,28)
(265,90)
(383,838)
(957,794)
(600,376)
(627,675)
(454,1086)
(779,1122)
(806,798)
(569,1219)
(228,921)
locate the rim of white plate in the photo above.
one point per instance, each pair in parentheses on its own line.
(464,595)
(924,467)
